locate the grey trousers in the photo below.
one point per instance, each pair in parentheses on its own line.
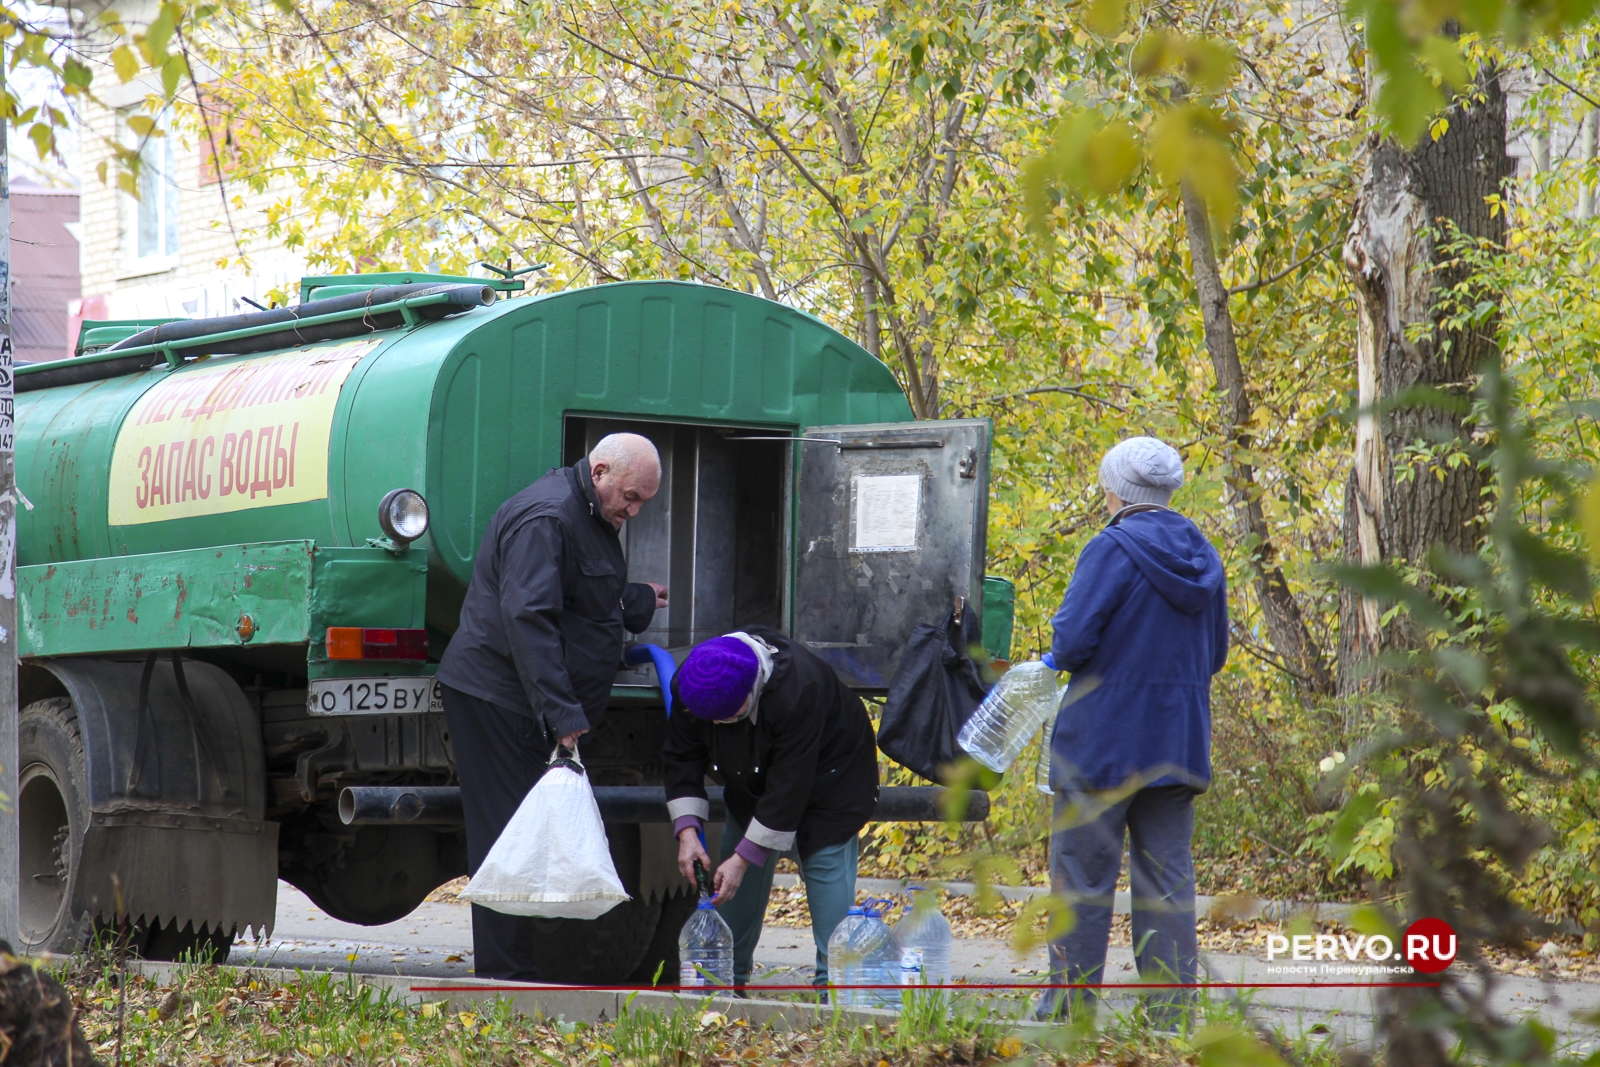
(1085,863)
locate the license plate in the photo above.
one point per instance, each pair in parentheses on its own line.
(373,696)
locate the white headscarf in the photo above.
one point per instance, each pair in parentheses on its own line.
(764,653)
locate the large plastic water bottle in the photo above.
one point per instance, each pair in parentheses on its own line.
(924,936)
(1041,772)
(705,947)
(1012,712)
(863,951)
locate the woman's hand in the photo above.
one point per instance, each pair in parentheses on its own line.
(689,850)
(728,877)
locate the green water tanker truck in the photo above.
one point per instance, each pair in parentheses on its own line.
(244,542)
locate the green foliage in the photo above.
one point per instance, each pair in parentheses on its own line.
(35,38)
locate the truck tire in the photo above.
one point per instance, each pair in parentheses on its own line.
(52,816)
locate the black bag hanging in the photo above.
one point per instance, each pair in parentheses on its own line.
(935,690)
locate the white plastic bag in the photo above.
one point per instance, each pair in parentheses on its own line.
(552,859)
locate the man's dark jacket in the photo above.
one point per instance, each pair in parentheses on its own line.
(806,768)
(542,626)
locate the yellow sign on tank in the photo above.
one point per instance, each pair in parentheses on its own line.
(241,434)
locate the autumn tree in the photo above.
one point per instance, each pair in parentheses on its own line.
(1413,488)
(834,156)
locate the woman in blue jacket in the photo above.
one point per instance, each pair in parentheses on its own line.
(1143,627)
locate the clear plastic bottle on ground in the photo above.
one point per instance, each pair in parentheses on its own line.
(1015,708)
(863,951)
(705,946)
(924,936)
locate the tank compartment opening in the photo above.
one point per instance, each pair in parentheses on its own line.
(714,533)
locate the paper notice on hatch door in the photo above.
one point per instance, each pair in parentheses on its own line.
(887,510)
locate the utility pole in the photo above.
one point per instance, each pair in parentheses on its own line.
(9,844)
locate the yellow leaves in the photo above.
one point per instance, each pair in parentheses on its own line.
(1443,55)
(43,138)
(1059,916)
(1203,62)
(1106,17)
(1095,156)
(1229,1046)
(1589,515)
(126,62)
(143,126)
(1189,145)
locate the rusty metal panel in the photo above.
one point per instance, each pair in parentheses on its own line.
(890,532)
(187,599)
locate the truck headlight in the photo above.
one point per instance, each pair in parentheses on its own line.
(403,515)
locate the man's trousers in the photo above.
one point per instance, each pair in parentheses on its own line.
(499,755)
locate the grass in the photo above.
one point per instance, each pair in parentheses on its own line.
(212,1017)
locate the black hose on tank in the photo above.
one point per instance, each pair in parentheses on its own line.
(457,298)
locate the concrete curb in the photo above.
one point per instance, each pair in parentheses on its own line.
(575,1005)
(1237,908)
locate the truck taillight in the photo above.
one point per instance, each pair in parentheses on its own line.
(358,642)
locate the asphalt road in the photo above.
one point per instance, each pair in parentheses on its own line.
(436,941)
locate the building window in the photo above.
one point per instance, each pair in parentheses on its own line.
(153,217)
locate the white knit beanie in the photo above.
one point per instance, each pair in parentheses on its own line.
(1142,470)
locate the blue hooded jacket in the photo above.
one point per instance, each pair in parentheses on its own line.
(1145,620)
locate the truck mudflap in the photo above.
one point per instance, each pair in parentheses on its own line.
(175,787)
(179,869)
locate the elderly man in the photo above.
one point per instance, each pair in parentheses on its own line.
(1145,624)
(539,643)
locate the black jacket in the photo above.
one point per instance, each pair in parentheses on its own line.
(542,626)
(806,771)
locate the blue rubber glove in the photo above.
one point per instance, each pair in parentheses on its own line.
(1049,661)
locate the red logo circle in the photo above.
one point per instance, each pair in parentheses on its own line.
(1430,945)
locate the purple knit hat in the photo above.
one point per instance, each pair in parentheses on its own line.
(716,679)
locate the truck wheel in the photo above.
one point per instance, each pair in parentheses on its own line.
(52,816)
(662,955)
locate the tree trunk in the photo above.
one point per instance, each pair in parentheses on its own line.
(1280,610)
(1399,508)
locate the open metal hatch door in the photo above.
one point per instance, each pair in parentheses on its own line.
(890,534)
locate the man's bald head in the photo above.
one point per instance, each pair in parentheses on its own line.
(626,471)
(627,451)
